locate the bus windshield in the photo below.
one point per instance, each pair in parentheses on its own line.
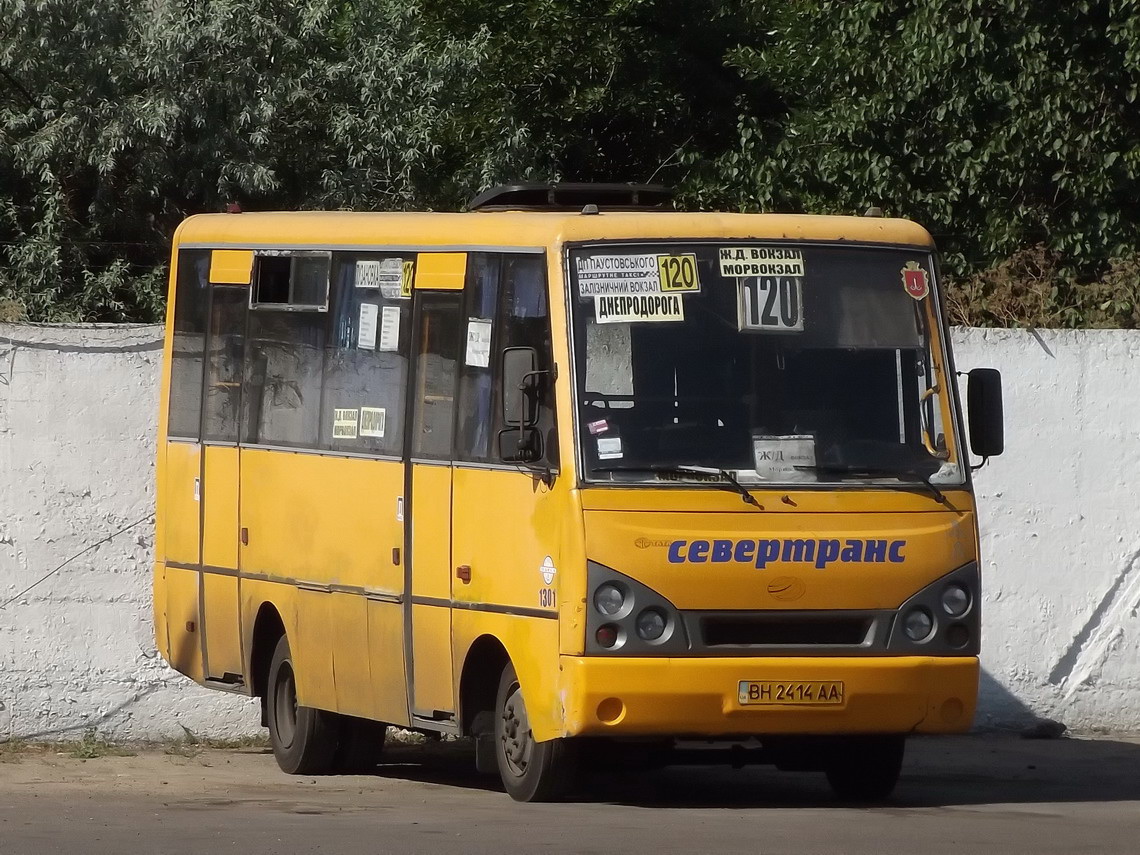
(759,361)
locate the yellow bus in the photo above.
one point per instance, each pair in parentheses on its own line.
(571,474)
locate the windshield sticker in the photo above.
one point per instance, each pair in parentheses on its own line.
(708,477)
(600,426)
(761,553)
(915,281)
(372,421)
(626,275)
(609,448)
(740,261)
(366,331)
(771,304)
(345,423)
(478,343)
(617,274)
(679,273)
(650,308)
(784,458)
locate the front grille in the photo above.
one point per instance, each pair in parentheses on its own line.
(784,629)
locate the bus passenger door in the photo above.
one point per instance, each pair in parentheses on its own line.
(427,526)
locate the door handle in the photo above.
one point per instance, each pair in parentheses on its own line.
(463,573)
(245,537)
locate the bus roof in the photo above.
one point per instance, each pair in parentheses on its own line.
(345,229)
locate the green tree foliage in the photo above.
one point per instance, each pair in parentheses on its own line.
(999,124)
(118,119)
(1011,130)
(606,90)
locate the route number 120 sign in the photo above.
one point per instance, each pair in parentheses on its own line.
(771,304)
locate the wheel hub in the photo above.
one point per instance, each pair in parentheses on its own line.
(285,707)
(517,739)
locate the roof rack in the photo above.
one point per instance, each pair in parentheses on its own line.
(572,197)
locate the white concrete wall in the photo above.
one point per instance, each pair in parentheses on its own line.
(77,438)
(1061,543)
(1060,518)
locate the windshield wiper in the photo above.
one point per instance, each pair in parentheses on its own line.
(880,472)
(732,483)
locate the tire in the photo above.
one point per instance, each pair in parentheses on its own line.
(304,739)
(866,768)
(531,771)
(361,745)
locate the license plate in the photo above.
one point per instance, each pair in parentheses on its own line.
(790,692)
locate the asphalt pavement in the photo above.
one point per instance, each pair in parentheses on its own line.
(975,794)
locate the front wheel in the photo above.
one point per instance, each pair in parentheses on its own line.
(531,771)
(304,739)
(866,768)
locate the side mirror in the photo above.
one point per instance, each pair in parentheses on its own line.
(520,387)
(983,400)
(520,445)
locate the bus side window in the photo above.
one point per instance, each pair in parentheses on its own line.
(525,322)
(191,302)
(474,440)
(282,390)
(225,351)
(288,324)
(366,356)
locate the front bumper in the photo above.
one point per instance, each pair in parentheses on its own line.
(699,696)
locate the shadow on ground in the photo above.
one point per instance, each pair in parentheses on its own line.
(939,771)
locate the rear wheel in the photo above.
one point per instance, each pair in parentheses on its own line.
(866,768)
(304,739)
(531,771)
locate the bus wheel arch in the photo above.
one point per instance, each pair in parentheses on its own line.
(268,628)
(478,685)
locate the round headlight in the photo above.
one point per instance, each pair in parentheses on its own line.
(609,599)
(918,624)
(650,625)
(955,600)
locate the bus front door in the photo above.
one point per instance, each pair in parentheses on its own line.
(428,484)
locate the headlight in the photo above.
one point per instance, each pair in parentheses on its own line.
(918,624)
(609,599)
(955,600)
(650,625)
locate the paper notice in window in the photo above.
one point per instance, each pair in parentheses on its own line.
(372,422)
(784,458)
(478,343)
(345,423)
(385,275)
(366,332)
(390,329)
